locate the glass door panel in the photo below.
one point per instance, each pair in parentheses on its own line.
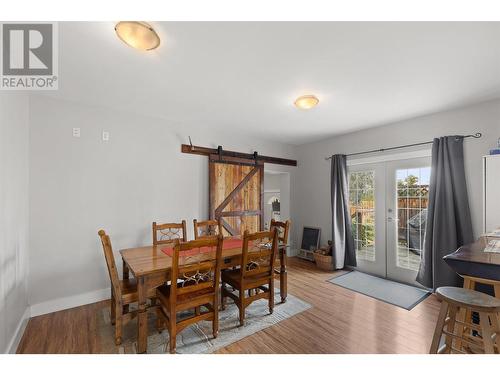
(362,209)
(367,210)
(407,200)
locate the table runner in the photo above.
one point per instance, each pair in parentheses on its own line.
(226,245)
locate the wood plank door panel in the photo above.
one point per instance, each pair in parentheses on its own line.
(236,189)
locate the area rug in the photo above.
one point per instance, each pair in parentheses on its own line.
(398,294)
(198,337)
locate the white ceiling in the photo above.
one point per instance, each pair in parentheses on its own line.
(244,77)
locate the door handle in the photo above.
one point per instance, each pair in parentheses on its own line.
(390,219)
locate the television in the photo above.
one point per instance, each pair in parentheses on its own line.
(310,238)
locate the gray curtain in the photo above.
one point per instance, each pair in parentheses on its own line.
(343,242)
(449,224)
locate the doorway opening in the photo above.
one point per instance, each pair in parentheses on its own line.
(276,196)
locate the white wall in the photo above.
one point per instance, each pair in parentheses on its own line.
(79,185)
(311,192)
(272,181)
(14,152)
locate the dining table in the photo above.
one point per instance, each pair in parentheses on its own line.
(151,265)
(475,265)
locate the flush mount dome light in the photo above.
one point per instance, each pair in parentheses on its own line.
(306,102)
(136,34)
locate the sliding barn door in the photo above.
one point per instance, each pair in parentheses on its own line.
(236,194)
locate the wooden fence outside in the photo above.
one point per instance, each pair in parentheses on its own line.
(408,207)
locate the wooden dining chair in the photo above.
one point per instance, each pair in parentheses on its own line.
(256,272)
(169,233)
(197,287)
(206,228)
(283,228)
(123,292)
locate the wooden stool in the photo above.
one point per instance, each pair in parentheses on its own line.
(457,338)
(470,283)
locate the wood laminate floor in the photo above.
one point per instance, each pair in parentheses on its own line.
(340,321)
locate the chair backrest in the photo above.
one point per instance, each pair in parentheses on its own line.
(282,228)
(169,233)
(110,263)
(207,228)
(259,253)
(197,271)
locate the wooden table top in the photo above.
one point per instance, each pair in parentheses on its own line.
(471,260)
(150,259)
(474,253)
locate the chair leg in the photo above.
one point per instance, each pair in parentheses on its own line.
(465,315)
(271,295)
(241,307)
(172,330)
(173,338)
(451,328)
(223,297)
(495,324)
(160,323)
(215,321)
(486,333)
(118,325)
(113,309)
(439,328)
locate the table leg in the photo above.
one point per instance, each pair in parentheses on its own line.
(126,272)
(142,317)
(283,275)
(126,275)
(113,307)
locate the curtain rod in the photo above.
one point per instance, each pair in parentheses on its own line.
(477,135)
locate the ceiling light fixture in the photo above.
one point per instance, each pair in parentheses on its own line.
(306,102)
(136,34)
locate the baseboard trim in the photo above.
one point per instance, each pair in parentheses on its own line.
(64,303)
(18,334)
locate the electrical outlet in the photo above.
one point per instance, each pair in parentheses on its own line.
(76,132)
(105,136)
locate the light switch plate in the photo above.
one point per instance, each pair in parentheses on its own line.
(105,136)
(76,132)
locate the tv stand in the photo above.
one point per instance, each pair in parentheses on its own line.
(306,254)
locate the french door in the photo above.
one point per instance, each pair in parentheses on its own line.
(388,203)
(367,207)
